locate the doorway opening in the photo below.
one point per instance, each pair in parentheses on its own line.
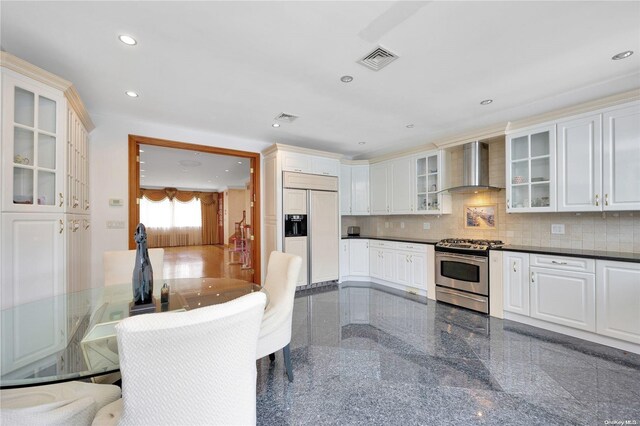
(202,205)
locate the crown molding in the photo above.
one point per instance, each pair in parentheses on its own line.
(291,148)
(354,162)
(585,107)
(12,62)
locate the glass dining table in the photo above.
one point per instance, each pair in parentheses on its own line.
(72,336)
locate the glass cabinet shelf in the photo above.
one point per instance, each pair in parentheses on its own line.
(531,170)
(34,147)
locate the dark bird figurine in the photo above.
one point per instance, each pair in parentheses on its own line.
(142,271)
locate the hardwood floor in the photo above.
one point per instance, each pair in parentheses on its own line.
(202,261)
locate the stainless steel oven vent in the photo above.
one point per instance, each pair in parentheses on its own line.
(378,58)
(475,170)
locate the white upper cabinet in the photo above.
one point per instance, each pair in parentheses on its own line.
(305,163)
(345,189)
(621,167)
(295,162)
(325,166)
(597,164)
(354,190)
(399,192)
(531,170)
(294,201)
(428,180)
(33,145)
(360,190)
(379,178)
(580,164)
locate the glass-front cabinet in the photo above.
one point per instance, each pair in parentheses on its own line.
(531,170)
(33,145)
(429,181)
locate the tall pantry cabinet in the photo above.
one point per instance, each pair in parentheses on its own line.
(45,211)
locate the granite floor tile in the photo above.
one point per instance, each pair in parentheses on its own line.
(371,357)
(598,384)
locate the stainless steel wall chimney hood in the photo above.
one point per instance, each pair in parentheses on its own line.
(475,169)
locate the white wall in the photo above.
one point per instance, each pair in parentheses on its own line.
(109,175)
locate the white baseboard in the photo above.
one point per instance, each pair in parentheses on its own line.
(581,334)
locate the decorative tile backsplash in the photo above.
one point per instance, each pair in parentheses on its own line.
(612,231)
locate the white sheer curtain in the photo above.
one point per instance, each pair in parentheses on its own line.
(172,223)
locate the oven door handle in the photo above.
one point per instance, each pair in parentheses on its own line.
(455,293)
(461,256)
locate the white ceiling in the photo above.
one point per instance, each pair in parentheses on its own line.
(231,67)
(162,168)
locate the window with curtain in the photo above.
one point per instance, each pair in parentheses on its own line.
(172,223)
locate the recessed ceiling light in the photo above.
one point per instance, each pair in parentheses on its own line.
(141,150)
(141,176)
(226,170)
(127,39)
(361,143)
(131,94)
(142,170)
(275,125)
(622,55)
(346,79)
(486,102)
(239,162)
(142,162)
(410,126)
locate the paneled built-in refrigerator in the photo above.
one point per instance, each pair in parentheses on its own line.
(311,225)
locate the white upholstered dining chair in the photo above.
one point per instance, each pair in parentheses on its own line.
(70,403)
(118,269)
(195,367)
(280,283)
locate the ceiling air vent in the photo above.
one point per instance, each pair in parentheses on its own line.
(378,59)
(287,118)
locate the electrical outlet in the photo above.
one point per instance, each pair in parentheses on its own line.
(426,225)
(401,225)
(557,228)
(115,224)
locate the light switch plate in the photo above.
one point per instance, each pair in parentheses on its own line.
(557,228)
(115,224)
(116,202)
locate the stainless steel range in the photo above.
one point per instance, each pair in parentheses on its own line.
(462,272)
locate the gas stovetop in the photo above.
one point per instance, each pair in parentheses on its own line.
(465,244)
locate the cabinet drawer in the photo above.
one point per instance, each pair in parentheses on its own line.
(577,264)
(418,248)
(383,244)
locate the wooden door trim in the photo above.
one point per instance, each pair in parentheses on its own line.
(134,186)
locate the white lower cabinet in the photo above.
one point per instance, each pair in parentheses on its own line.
(618,300)
(564,297)
(359,258)
(33,283)
(598,296)
(516,282)
(344,259)
(298,246)
(375,262)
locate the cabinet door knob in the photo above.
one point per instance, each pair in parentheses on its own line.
(61,226)
(532,277)
(514,267)
(508,205)
(606,199)
(61,200)
(75,202)
(597,200)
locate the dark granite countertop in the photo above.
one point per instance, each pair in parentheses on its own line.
(590,254)
(396,239)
